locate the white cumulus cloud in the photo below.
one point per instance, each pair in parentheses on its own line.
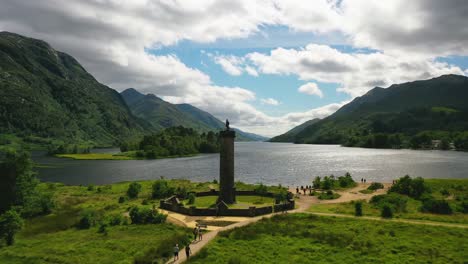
(270,101)
(311,88)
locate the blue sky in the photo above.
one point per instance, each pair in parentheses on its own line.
(207,52)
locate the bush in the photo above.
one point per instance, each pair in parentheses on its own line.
(142,215)
(375,186)
(133,190)
(115,220)
(358,208)
(414,188)
(463,207)
(10,223)
(327,183)
(102,229)
(444,192)
(328,195)
(316,183)
(90,187)
(191,198)
(86,221)
(122,199)
(387,211)
(396,201)
(181,192)
(346,181)
(261,189)
(161,189)
(436,206)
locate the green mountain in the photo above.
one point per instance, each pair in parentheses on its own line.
(46,93)
(289,136)
(161,114)
(399,116)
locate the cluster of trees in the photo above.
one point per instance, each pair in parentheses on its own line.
(421,140)
(63,148)
(20,196)
(407,187)
(413,128)
(332,182)
(173,141)
(145,215)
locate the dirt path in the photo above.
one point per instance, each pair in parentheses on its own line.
(303,203)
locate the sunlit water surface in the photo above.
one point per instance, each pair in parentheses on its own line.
(270,163)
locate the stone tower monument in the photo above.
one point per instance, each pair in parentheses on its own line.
(227,191)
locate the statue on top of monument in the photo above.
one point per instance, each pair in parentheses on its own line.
(227,124)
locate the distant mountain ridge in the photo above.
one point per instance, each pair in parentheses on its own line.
(162,114)
(289,136)
(403,110)
(47,93)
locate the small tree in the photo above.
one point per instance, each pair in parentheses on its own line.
(191,198)
(387,211)
(10,223)
(327,183)
(161,189)
(316,183)
(358,208)
(133,190)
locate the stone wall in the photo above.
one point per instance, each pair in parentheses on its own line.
(172,204)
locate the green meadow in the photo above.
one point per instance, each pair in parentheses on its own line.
(306,238)
(454,191)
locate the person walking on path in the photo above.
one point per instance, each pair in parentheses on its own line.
(188,251)
(200,234)
(195,233)
(176,252)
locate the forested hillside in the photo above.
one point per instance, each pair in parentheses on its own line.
(409,115)
(47,95)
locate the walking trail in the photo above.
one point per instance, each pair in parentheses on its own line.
(303,203)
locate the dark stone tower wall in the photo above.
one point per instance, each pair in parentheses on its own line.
(227,192)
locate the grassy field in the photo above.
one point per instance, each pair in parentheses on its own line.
(243,202)
(456,188)
(304,238)
(55,238)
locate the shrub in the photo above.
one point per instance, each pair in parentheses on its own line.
(346,181)
(87,221)
(161,189)
(261,189)
(10,223)
(396,201)
(387,211)
(316,183)
(375,186)
(133,190)
(436,206)
(90,187)
(144,215)
(181,192)
(145,202)
(191,198)
(122,199)
(115,220)
(327,183)
(444,192)
(358,208)
(102,229)
(328,195)
(414,188)
(463,207)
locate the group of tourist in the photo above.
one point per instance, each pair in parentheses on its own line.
(197,234)
(304,189)
(363,180)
